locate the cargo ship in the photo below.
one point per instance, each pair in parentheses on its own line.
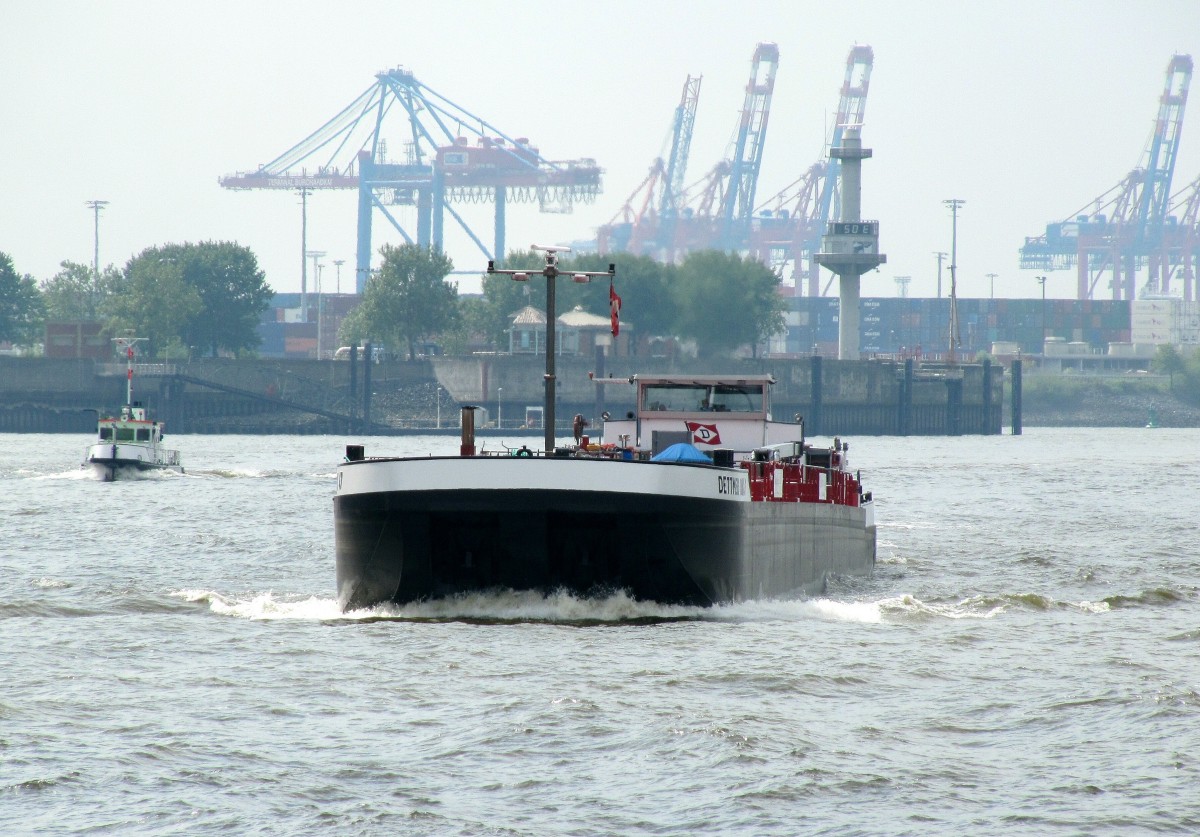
(697,497)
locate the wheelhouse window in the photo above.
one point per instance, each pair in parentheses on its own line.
(143,434)
(106,434)
(687,398)
(124,434)
(737,398)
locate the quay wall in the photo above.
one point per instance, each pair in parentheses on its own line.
(870,397)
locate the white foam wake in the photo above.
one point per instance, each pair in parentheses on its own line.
(265,606)
(530,606)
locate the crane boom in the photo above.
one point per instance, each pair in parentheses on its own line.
(737,203)
(681,144)
(1164,145)
(852,107)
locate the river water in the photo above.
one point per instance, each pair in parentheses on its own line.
(1025,660)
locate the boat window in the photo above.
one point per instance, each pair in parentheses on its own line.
(124,434)
(143,434)
(724,398)
(737,398)
(682,398)
(106,434)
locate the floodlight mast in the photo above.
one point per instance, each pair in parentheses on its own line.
(551,272)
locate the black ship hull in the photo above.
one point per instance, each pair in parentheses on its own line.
(682,534)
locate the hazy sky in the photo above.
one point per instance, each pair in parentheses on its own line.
(1027,110)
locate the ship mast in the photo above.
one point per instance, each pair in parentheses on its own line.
(551,272)
(127,344)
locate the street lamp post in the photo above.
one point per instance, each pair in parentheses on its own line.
(499,408)
(96,206)
(338,264)
(439,407)
(316,256)
(303,192)
(1042,282)
(954,204)
(992,287)
(551,272)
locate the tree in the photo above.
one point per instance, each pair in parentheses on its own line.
(1168,361)
(643,284)
(1190,388)
(472,321)
(152,300)
(21,310)
(76,293)
(726,301)
(408,301)
(230,286)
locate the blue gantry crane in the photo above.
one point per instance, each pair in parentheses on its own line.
(738,204)
(1130,226)
(447,155)
(671,197)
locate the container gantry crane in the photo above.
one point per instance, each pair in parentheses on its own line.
(1128,226)
(440,166)
(647,221)
(716,210)
(672,196)
(738,203)
(1182,241)
(788,226)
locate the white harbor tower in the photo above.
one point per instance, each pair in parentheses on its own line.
(850,246)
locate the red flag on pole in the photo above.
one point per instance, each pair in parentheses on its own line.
(614,309)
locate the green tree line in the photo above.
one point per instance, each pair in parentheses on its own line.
(718,300)
(206,297)
(209,298)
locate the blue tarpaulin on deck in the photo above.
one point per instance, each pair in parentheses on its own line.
(682,452)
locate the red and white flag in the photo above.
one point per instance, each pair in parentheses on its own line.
(614,309)
(703,434)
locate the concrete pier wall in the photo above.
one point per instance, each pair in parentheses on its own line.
(864,397)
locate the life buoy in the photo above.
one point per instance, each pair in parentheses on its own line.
(523,452)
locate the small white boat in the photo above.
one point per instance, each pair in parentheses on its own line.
(130,441)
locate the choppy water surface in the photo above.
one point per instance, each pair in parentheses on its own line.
(1026,659)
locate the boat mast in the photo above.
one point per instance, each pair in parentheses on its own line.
(127,344)
(551,272)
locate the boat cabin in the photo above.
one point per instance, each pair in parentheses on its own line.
(131,426)
(709,411)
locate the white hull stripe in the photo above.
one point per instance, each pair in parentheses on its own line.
(540,474)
